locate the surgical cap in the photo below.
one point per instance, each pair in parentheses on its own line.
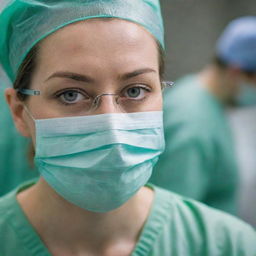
(23,23)
(237,44)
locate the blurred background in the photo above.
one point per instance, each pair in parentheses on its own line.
(192,28)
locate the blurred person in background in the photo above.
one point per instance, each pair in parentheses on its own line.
(200,160)
(14,148)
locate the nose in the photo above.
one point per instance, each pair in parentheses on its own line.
(105,104)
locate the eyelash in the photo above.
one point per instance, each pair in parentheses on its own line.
(140,86)
(58,94)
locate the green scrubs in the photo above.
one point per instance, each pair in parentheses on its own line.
(176,226)
(199,160)
(14,164)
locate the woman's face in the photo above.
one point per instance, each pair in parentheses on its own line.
(90,58)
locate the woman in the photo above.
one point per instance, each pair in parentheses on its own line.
(87,90)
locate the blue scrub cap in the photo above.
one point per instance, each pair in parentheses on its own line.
(237,44)
(24,23)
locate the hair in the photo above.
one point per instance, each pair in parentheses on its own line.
(161,61)
(25,73)
(219,62)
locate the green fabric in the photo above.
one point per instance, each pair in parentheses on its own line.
(24,23)
(199,160)
(176,227)
(14,165)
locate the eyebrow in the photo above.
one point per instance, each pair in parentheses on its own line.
(87,79)
(70,75)
(136,73)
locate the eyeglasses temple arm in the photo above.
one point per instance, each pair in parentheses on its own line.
(29,92)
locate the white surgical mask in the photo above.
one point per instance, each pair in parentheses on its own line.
(99,162)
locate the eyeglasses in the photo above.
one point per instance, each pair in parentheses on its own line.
(135,99)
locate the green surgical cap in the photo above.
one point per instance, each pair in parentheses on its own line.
(23,23)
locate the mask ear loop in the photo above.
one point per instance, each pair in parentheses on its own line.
(29,113)
(32,147)
(29,92)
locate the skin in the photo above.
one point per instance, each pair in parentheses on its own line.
(105,58)
(224,83)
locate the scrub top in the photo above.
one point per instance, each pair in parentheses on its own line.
(14,164)
(199,160)
(176,226)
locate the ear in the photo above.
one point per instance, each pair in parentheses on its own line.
(17,111)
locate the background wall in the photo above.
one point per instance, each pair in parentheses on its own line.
(192,28)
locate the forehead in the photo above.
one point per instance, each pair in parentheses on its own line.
(99,40)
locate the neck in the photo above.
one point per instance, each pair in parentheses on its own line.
(217,81)
(52,217)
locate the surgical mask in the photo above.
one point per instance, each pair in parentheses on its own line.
(246,95)
(99,162)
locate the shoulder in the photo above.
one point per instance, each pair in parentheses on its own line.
(8,206)
(189,102)
(16,233)
(206,230)
(7,230)
(6,203)
(192,115)
(185,89)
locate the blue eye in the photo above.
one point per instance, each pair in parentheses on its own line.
(136,92)
(71,96)
(133,92)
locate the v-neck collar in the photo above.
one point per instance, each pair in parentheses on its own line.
(21,225)
(159,214)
